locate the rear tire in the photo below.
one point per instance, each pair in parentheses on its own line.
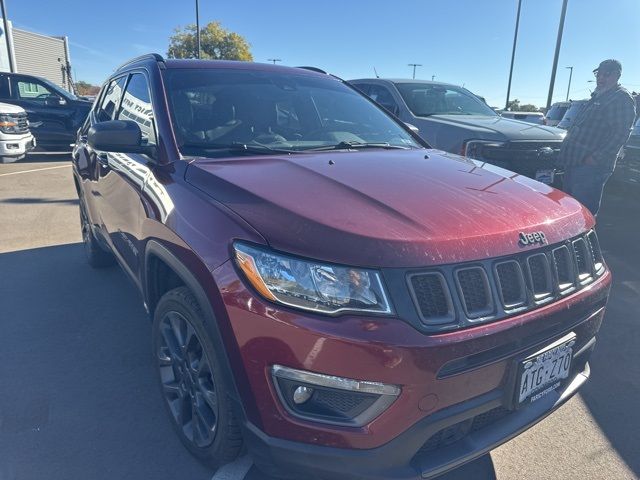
(97,256)
(191,380)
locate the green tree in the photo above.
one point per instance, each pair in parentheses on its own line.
(85,88)
(216,43)
(514,105)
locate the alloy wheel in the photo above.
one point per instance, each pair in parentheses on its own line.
(187,381)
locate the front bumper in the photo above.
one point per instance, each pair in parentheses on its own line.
(401,458)
(16,148)
(449,381)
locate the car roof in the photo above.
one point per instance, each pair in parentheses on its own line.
(193,63)
(405,80)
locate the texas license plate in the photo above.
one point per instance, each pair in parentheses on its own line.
(545,176)
(543,371)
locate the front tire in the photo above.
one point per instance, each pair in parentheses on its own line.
(191,380)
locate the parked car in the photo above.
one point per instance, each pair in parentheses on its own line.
(452,119)
(326,290)
(555,113)
(571,113)
(537,118)
(54,114)
(627,169)
(15,138)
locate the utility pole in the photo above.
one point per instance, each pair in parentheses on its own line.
(274,60)
(198,28)
(557,54)
(414,65)
(513,54)
(570,75)
(12,67)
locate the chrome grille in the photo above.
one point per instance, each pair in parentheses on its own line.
(458,296)
(21,120)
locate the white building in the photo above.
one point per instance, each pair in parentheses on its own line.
(36,54)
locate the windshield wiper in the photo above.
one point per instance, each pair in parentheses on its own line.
(357,146)
(238,147)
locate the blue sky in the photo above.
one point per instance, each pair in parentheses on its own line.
(459,41)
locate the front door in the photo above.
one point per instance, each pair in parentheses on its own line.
(123,177)
(50,115)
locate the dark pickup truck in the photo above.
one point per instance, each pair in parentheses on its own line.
(54,114)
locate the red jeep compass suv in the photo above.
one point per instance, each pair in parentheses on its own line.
(326,290)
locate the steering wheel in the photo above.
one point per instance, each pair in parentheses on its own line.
(44,95)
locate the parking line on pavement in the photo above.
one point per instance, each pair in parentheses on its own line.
(234,471)
(34,170)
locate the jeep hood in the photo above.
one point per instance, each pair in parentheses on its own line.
(382,208)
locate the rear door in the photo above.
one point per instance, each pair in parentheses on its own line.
(50,115)
(123,176)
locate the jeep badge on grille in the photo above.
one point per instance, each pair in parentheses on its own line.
(531,238)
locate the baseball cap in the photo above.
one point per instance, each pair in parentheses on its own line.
(609,65)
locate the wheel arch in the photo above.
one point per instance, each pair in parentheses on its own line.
(181,275)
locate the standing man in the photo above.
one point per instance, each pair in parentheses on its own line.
(593,142)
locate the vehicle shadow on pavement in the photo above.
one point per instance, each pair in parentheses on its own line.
(27,200)
(79,395)
(613,391)
(43,157)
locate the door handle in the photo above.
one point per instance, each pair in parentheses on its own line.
(103,159)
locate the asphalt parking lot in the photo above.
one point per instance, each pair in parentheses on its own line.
(79,398)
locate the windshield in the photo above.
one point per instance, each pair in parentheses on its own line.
(60,91)
(215,111)
(571,113)
(425,99)
(557,112)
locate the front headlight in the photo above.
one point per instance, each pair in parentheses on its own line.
(474,148)
(310,285)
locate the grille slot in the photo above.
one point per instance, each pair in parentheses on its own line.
(540,275)
(475,291)
(431,295)
(511,284)
(564,268)
(596,253)
(583,260)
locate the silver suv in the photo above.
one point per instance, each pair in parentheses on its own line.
(453,119)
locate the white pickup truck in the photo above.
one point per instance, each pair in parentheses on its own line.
(15,138)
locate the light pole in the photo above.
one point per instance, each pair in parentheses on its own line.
(198,28)
(6,36)
(274,60)
(414,65)
(433,77)
(570,75)
(513,55)
(555,57)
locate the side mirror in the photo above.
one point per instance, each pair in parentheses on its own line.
(122,136)
(54,101)
(413,128)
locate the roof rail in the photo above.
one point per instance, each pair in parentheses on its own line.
(148,56)
(314,69)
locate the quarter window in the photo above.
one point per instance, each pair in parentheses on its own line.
(136,106)
(111,100)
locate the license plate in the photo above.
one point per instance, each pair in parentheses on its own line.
(543,371)
(545,176)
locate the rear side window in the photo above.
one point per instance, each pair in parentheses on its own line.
(111,100)
(136,106)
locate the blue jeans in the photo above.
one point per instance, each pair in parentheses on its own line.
(585,183)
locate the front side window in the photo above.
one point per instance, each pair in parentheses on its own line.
(31,90)
(111,100)
(213,110)
(425,99)
(136,106)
